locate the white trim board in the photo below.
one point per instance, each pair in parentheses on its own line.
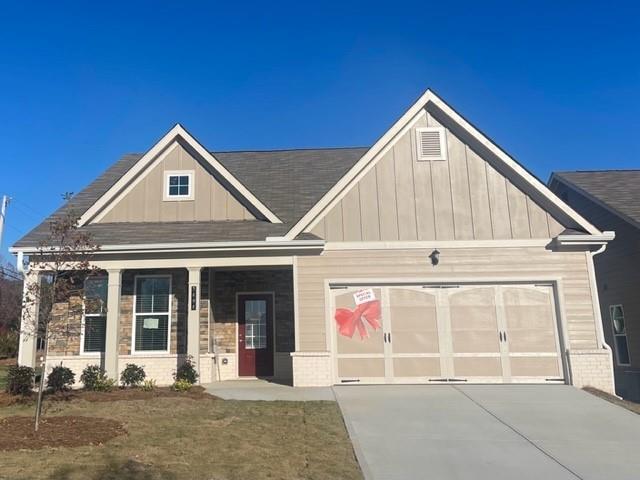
(406,121)
(153,157)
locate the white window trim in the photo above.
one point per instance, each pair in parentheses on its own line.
(443,144)
(613,331)
(135,315)
(178,198)
(82,325)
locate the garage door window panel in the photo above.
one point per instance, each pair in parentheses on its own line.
(530,321)
(414,324)
(474,325)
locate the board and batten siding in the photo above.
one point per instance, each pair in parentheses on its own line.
(461,198)
(145,202)
(465,264)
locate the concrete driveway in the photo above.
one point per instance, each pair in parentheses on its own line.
(444,432)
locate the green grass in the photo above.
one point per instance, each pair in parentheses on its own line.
(198,439)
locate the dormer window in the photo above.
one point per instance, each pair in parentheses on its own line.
(178,185)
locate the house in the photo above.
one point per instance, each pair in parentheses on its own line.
(610,199)
(430,257)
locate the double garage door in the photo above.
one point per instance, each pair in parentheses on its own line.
(445,333)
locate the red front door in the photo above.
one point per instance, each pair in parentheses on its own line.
(255,335)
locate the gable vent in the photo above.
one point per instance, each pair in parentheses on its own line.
(431,143)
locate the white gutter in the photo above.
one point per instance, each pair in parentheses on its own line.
(597,310)
(195,247)
(575,240)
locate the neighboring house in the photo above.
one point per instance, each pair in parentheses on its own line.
(430,257)
(610,199)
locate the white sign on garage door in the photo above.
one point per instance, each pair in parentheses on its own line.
(429,334)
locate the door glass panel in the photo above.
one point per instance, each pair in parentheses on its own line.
(529,319)
(474,323)
(255,324)
(414,325)
(359,326)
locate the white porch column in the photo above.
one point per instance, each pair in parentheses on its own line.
(193,317)
(29,321)
(112,337)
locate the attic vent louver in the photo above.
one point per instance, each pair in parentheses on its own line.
(431,143)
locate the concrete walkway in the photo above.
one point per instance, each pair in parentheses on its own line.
(264,390)
(493,432)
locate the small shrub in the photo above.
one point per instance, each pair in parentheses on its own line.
(90,376)
(9,344)
(182,385)
(149,385)
(95,379)
(60,379)
(132,375)
(20,380)
(187,372)
(104,384)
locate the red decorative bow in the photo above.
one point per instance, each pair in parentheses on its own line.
(348,321)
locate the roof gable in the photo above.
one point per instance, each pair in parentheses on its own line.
(145,200)
(155,155)
(404,198)
(499,159)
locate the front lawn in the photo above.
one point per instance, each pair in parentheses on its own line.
(195,438)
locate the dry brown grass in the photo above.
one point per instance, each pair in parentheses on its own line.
(205,438)
(634,407)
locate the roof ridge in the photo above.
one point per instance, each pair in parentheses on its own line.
(302,149)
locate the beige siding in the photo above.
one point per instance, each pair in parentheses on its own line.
(462,263)
(463,198)
(145,202)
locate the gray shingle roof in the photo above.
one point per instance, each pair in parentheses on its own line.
(288,182)
(619,190)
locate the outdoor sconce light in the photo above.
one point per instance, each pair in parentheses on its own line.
(435,257)
(225,361)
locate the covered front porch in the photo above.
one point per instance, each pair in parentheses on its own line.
(233,317)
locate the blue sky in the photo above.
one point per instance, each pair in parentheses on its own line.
(554,83)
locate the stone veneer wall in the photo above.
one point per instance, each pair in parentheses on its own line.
(225,284)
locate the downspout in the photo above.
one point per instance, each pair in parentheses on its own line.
(596,309)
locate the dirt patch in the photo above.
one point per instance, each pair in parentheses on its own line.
(632,406)
(16,433)
(8,362)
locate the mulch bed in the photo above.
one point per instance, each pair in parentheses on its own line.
(196,393)
(16,433)
(632,406)
(7,400)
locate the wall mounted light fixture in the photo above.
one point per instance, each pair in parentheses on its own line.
(435,257)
